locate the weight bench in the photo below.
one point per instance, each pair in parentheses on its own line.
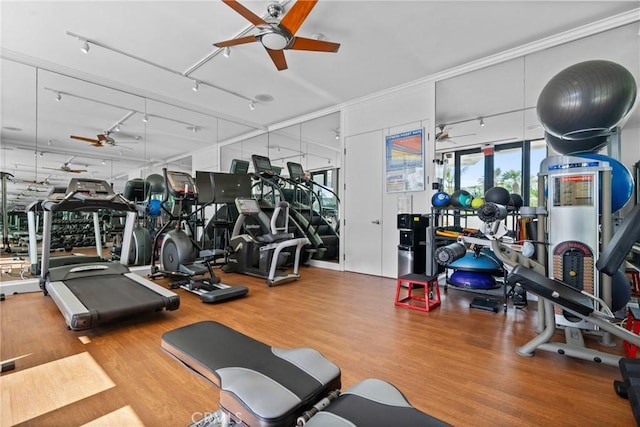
(264,386)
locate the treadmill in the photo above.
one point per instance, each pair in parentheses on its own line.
(98,291)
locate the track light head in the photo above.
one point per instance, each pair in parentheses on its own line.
(145,118)
(481,122)
(252,105)
(227,52)
(85,47)
(58,96)
(117,128)
(196,85)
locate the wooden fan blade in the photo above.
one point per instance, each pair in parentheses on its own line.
(235,42)
(297,14)
(246,13)
(82,138)
(277,56)
(77,170)
(302,43)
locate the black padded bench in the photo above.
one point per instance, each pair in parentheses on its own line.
(629,387)
(267,387)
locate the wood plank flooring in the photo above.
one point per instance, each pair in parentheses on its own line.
(455,363)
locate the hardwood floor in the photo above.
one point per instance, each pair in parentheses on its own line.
(455,363)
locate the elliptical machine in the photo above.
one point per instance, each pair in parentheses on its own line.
(262,254)
(181,257)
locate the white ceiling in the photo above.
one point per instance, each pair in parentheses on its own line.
(383,44)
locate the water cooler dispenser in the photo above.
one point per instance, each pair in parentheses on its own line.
(413,240)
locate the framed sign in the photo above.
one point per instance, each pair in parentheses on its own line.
(404,169)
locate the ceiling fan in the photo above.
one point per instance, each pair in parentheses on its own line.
(102,140)
(443,134)
(279,35)
(66,168)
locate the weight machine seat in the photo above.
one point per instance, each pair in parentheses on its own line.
(272,238)
(553,290)
(261,385)
(372,403)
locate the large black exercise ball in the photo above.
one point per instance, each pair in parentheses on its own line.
(620,291)
(440,199)
(515,200)
(575,146)
(622,184)
(586,100)
(461,199)
(498,195)
(156,183)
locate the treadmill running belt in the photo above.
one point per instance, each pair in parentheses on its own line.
(114,297)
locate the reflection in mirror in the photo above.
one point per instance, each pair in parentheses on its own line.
(18,134)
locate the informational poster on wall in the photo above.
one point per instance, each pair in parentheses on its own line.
(405,161)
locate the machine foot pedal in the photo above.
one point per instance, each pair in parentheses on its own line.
(486,303)
(224,294)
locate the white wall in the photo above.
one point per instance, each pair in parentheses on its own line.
(404,109)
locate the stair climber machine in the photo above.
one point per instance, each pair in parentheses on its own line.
(271,192)
(181,257)
(262,253)
(319,204)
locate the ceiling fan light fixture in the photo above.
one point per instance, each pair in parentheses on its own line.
(274,40)
(196,86)
(227,52)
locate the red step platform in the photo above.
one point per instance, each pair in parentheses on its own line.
(415,297)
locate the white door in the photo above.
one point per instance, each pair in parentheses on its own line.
(363,203)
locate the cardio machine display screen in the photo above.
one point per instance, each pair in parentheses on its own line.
(179,182)
(573,190)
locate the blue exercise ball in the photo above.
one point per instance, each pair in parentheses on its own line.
(481,263)
(440,199)
(586,100)
(472,279)
(154,207)
(621,181)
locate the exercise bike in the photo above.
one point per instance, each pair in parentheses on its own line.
(263,252)
(181,257)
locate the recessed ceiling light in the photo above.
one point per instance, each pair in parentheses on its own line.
(264,98)
(12,129)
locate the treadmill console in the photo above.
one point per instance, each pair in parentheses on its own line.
(181,185)
(247,206)
(90,189)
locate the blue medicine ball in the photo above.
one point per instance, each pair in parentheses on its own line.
(153,208)
(440,199)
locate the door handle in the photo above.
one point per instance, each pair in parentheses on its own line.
(377,222)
